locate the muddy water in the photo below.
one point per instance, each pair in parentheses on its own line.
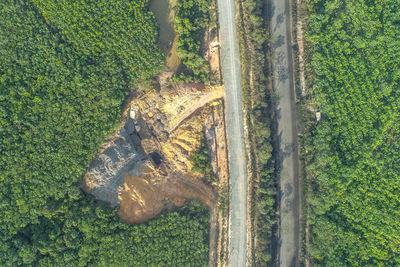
(164,12)
(161,10)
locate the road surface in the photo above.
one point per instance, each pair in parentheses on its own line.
(230,61)
(288,158)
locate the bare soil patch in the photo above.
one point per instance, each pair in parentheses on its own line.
(145,167)
(146,195)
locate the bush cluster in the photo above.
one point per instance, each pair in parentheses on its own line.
(202,161)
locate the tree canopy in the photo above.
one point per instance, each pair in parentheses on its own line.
(353,152)
(65,69)
(192,19)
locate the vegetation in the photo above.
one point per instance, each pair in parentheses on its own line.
(65,68)
(258,101)
(116,30)
(352,153)
(202,161)
(192,19)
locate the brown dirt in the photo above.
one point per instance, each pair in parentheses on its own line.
(223,175)
(215,135)
(140,200)
(213,53)
(200,102)
(145,196)
(172,120)
(165,179)
(175,185)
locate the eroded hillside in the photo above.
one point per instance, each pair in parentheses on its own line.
(145,167)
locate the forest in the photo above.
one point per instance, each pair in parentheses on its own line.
(352,154)
(65,69)
(258,102)
(192,19)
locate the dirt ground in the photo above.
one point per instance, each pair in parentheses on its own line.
(175,135)
(145,167)
(145,196)
(287,153)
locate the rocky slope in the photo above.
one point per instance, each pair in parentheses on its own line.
(145,167)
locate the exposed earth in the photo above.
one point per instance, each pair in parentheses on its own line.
(145,166)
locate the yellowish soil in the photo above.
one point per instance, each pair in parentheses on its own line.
(143,199)
(196,103)
(180,127)
(173,121)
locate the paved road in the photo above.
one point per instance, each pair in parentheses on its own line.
(287,133)
(234,116)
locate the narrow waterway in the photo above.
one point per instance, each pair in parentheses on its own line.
(164,12)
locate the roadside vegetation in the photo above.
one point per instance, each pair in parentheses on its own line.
(193,18)
(352,154)
(257,95)
(65,69)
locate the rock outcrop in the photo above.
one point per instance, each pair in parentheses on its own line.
(105,177)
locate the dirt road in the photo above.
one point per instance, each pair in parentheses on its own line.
(205,99)
(288,158)
(230,62)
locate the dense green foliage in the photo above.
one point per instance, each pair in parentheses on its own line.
(65,68)
(117,30)
(86,233)
(202,161)
(257,99)
(353,153)
(192,19)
